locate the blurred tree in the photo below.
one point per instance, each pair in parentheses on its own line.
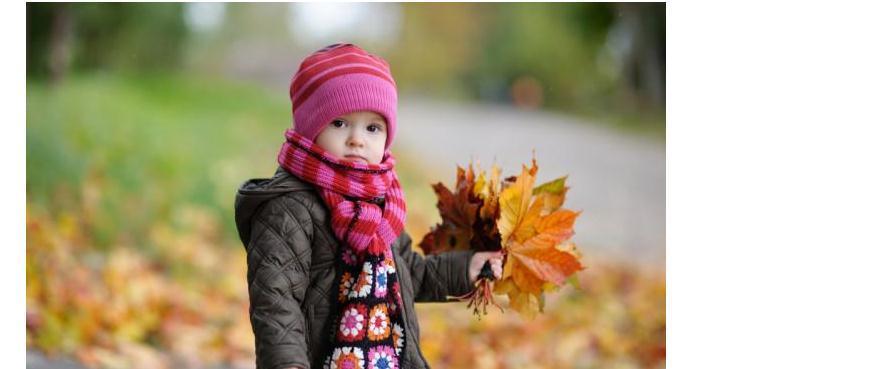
(439,42)
(637,40)
(537,42)
(131,37)
(591,21)
(594,58)
(40,19)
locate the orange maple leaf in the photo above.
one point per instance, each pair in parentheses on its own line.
(534,232)
(544,264)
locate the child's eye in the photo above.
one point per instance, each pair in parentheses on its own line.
(338,123)
(374,128)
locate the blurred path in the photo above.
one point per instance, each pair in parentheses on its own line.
(37,360)
(617,179)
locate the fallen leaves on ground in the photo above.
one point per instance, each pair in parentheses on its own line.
(180,300)
(181,303)
(615,318)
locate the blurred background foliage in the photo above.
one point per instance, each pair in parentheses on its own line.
(143,118)
(100,36)
(602,60)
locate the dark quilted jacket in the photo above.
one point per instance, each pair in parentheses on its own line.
(292,252)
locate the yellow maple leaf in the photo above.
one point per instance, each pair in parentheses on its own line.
(524,279)
(525,303)
(481,185)
(528,226)
(490,209)
(514,202)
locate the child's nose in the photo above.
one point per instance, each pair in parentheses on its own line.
(355,139)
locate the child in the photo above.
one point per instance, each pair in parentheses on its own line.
(332,277)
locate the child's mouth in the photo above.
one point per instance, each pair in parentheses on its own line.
(356,158)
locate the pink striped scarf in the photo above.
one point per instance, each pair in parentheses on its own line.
(349,189)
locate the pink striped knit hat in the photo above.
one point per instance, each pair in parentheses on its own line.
(341,79)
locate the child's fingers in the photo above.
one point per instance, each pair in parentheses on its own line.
(496,265)
(491,254)
(497,261)
(497,269)
(482,257)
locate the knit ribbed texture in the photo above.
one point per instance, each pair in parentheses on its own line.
(349,190)
(338,80)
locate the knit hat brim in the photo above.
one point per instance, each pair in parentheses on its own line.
(343,95)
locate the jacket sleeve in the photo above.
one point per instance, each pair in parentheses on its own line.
(436,277)
(279,258)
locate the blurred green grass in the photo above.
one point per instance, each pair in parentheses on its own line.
(146,144)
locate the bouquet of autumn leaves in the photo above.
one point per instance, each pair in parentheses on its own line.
(527,223)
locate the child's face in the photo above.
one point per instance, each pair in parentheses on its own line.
(358,136)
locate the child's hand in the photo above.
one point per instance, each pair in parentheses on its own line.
(478,260)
